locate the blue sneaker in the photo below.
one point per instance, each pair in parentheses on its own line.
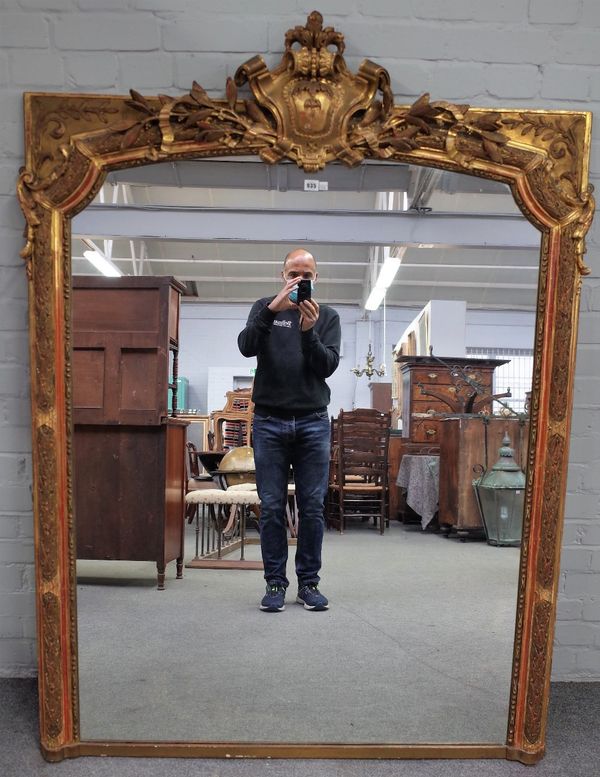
(312,599)
(273,600)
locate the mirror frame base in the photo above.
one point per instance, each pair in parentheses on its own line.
(272,750)
(525,756)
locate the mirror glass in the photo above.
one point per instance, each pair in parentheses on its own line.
(417,645)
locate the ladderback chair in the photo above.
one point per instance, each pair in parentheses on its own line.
(359,489)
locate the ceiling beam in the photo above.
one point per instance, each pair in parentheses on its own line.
(253,174)
(415,304)
(306,227)
(271,262)
(340,265)
(397,284)
(236,173)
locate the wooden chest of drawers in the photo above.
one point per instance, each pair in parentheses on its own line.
(432,388)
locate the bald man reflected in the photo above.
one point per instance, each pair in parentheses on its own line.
(297,345)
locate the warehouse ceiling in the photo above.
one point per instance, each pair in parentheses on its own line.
(223,227)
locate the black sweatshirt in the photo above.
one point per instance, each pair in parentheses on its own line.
(292,365)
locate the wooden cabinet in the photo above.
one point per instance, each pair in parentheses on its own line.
(433,387)
(468,442)
(129,492)
(129,455)
(381,396)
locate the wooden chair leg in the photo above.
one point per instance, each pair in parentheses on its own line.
(190,512)
(232,522)
(387,508)
(333,513)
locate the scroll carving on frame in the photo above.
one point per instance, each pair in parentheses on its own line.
(312,110)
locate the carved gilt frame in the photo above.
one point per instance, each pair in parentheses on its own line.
(311,109)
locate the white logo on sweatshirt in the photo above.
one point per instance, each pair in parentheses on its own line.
(287,324)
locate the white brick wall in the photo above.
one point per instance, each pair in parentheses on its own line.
(541,53)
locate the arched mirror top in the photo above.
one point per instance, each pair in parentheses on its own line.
(310,110)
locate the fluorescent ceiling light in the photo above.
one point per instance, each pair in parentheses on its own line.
(387,273)
(102,264)
(375,298)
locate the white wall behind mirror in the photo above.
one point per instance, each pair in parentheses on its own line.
(418,644)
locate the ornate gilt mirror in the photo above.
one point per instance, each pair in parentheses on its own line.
(312,111)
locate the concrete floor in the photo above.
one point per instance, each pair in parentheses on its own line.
(417,647)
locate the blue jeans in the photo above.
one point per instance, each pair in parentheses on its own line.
(303,442)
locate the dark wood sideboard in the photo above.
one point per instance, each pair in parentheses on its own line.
(128,453)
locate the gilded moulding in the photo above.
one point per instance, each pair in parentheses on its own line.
(313,111)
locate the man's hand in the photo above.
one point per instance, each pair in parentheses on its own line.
(309,313)
(282,300)
(309,309)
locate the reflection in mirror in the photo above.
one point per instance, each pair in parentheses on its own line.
(417,646)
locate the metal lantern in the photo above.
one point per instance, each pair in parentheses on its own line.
(500,494)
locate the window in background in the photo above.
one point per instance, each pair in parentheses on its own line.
(516,375)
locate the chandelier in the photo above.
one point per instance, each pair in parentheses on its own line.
(369,370)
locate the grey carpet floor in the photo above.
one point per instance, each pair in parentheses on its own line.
(417,647)
(573,749)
